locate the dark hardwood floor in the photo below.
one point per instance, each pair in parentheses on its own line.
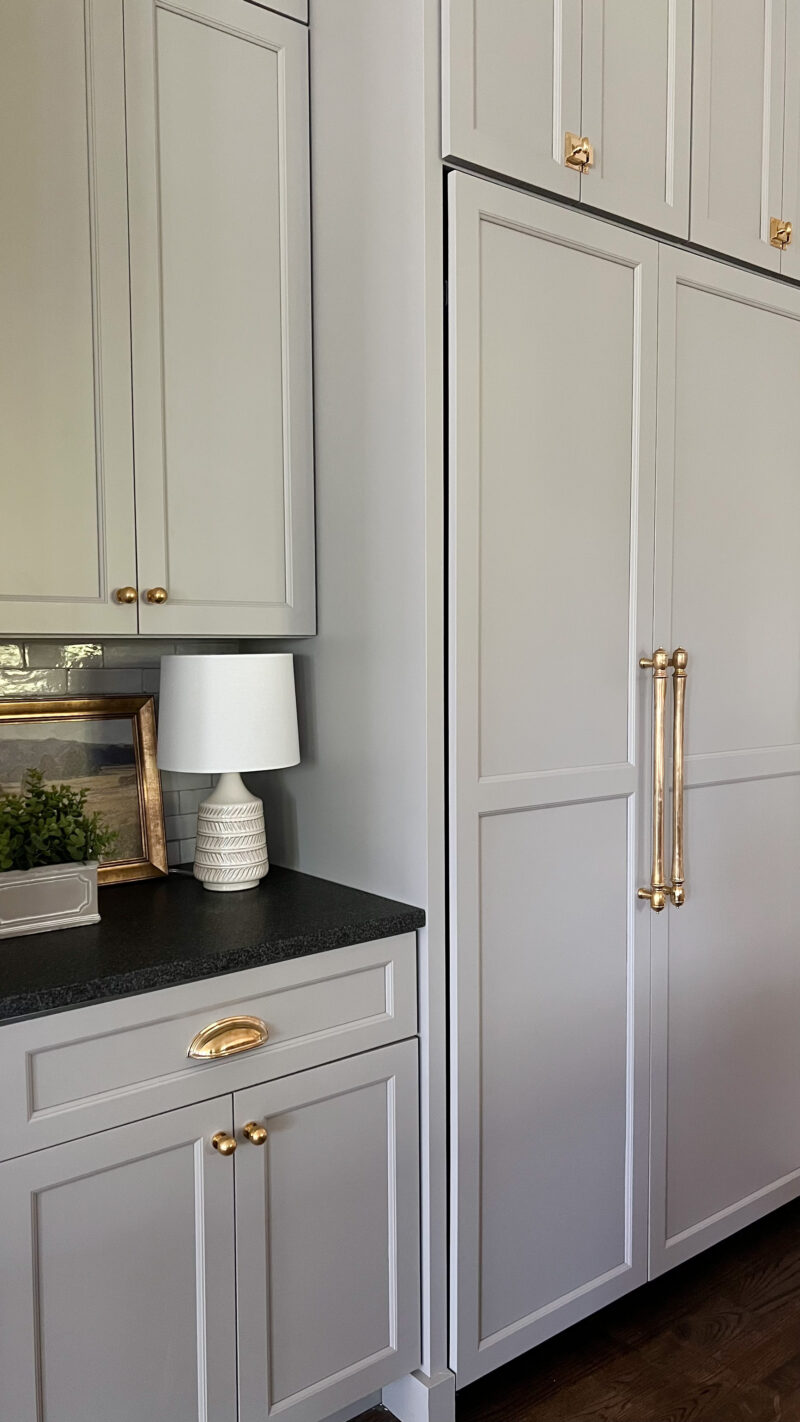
(717,1339)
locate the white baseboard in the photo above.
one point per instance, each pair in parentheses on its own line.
(419,1398)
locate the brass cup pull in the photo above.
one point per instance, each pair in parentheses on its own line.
(156,595)
(224,1143)
(255,1134)
(578,152)
(228,1037)
(126,594)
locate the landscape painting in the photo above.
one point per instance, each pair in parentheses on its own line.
(106,747)
(96,756)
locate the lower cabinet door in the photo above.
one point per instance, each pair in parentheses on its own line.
(117,1294)
(327,1235)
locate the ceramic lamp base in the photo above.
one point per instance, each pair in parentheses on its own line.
(231,852)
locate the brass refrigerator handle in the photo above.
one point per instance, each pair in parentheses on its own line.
(678,661)
(657,892)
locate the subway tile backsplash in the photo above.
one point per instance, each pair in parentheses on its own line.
(97,668)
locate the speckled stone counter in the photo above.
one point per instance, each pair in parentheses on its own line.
(160,933)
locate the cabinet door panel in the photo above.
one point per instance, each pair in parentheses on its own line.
(552,473)
(218,143)
(636,109)
(117,1275)
(737,127)
(726,977)
(66,507)
(512,87)
(328,1236)
(790,209)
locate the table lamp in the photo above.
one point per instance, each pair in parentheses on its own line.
(221,715)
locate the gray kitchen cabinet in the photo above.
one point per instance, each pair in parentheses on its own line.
(674,499)
(737,127)
(327,1223)
(790,205)
(67,537)
(156,415)
(746,132)
(636,97)
(512,87)
(725,987)
(145,1274)
(521,80)
(550,987)
(117,1289)
(218,172)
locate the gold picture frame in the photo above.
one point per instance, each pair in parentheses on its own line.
(131,751)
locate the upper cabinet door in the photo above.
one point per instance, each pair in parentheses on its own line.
(217,100)
(790,209)
(117,1289)
(636,109)
(66,506)
(737,127)
(512,87)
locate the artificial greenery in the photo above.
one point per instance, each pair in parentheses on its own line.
(48,824)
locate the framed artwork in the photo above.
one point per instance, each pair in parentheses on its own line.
(105,745)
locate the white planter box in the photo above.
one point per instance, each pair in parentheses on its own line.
(56,896)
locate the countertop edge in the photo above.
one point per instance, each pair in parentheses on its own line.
(19,1007)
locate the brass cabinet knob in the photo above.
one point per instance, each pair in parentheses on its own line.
(257,1135)
(224,1143)
(157,595)
(126,595)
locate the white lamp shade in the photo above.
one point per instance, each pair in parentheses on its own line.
(227,713)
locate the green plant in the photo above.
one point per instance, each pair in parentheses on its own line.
(48,824)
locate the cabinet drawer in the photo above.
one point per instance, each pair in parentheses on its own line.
(80,1071)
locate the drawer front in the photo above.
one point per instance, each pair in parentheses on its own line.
(80,1071)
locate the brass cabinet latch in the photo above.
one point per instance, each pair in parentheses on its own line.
(578,152)
(780,233)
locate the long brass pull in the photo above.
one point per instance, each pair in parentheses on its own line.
(678,662)
(657,892)
(227,1037)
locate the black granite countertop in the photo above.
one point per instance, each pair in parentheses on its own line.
(159,933)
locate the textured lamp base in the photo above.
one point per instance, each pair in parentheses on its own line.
(231,848)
